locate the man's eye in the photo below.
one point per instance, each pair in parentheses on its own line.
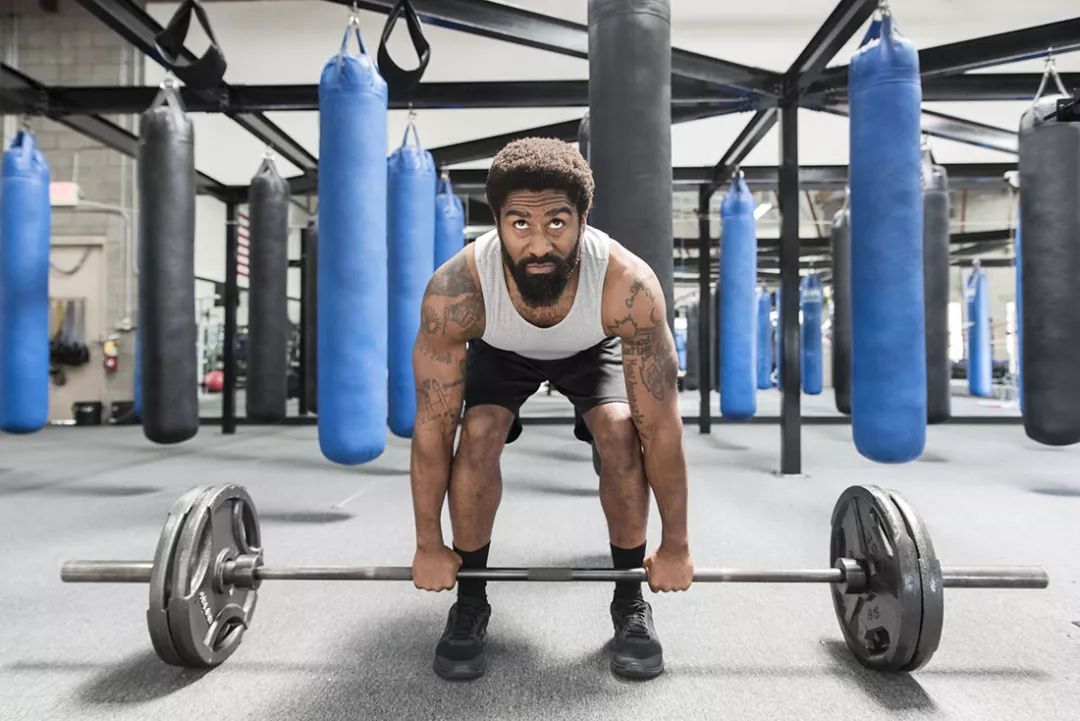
(520,225)
(558,223)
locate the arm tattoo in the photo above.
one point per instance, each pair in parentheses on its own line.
(426,349)
(463,305)
(435,404)
(453,280)
(648,354)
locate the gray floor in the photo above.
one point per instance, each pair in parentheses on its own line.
(351,651)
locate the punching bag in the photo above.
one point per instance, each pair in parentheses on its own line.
(935,184)
(1018,248)
(738,307)
(449,223)
(411,244)
(268,319)
(583,137)
(137,390)
(630,110)
(888,369)
(811,304)
(24,287)
(352,258)
(979,370)
(778,341)
(1049,189)
(693,348)
(841,303)
(764,340)
(166,178)
(310,239)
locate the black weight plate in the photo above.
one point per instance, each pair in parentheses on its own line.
(157,619)
(933,600)
(206,617)
(880,626)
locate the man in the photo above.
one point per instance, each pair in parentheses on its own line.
(545,297)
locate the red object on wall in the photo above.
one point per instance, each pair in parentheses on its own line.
(214,382)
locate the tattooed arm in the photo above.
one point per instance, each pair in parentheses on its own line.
(635,311)
(452,314)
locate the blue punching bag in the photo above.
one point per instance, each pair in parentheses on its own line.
(764,340)
(352,316)
(24,287)
(888,371)
(738,307)
(411,246)
(449,223)
(778,341)
(979,368)
(811,304)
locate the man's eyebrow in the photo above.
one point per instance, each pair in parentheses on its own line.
(557,211)
(518,213)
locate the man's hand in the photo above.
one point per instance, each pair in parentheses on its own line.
(435,569)
(669,570)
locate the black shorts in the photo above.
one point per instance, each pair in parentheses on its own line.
(590,378)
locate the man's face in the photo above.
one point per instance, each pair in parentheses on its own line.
(540,231)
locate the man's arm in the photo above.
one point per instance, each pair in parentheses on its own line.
(452,314)
(635,311)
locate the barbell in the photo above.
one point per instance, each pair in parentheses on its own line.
(885,578)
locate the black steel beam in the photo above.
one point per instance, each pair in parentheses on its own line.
(232,299)
(967,88)
(16,88)
(511,24)
(705,322)
(843,22)
(791,373)
(136,26)
(984,52)
(758,127)
(961,130)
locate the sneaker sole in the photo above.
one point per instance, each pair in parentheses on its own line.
(640,669)
(460,670)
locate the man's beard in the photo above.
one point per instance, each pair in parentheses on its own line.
(541,289)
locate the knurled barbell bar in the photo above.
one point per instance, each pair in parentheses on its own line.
(886,580)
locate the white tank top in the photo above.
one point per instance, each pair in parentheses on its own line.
(504,328)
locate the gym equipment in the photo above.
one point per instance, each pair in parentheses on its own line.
(352,256)
(1049,188)
(693,348)
(166,181)
(1017,252)
(935,185)
(778,341)
(310,239)
(888,369)
(680,347)
(583,134)
(449,222)
(202,73)
(979,359)
(630,107)
(764,340)
(886,579)
(137,401)
(811,301)
(403,82)
(738,310)
(411,245)
(841,303)
(25,219)
(268,319)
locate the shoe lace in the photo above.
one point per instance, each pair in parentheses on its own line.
(635,619)
(464,622)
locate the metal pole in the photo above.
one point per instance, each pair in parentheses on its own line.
(790,411)
(704,311)
(302,355)
(232,297)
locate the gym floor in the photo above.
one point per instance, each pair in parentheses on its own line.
(356,651)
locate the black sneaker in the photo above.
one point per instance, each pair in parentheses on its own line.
(635,649)
(460,653)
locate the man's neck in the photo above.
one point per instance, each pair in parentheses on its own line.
(548,315)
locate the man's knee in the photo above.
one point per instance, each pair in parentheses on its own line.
(483,433)
(616,437)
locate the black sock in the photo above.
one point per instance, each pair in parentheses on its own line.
(473,590)
(624,558)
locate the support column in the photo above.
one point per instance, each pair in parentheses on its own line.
(791,375)
(704,311)
(232,297)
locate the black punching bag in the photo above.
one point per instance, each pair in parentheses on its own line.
(583,137)
(841,300)
(1050,216)
(166,179)
(311,315)
(630,129)
(693,347)
(268,320)
(935,185)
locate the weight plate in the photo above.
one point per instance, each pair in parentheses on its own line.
(157,619)
(881,626)
(933,599)
(207,617)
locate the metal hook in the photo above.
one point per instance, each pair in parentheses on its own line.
(169,82)
(354,16)
(883,8)
(268,154)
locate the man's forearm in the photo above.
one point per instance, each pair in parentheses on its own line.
(432,453)
(665,468)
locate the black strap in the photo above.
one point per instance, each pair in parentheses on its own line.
(403,82)
(202,73)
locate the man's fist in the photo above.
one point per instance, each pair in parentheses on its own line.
(669,570)
(435,569)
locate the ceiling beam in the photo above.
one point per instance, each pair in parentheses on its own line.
(961,130)
(843,22)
